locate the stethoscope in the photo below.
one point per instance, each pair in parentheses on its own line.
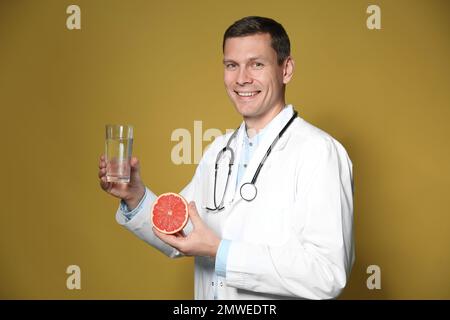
(248,190)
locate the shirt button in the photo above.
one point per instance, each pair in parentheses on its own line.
(212,283)
(251,144)
(245,166)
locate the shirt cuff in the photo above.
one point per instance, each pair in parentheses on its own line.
(221,258)
(130,214)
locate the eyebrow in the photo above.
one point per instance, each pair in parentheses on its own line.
(225,61)
(250,59)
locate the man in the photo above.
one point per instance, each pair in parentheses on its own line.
(292,237)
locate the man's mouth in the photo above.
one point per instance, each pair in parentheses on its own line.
(247,93)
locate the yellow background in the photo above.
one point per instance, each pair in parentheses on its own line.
(157,65)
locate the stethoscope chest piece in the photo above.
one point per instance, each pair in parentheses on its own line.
(248,191)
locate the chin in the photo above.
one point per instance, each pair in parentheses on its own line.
(245,109)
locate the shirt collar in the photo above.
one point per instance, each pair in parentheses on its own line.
(280,118)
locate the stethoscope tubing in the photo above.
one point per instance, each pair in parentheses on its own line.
(258,170)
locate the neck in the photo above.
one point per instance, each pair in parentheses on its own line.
(254,124)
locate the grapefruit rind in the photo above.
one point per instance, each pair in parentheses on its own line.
(182,225)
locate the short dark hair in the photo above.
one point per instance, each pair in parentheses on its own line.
(253,25)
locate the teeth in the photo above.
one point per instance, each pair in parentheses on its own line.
(246,94)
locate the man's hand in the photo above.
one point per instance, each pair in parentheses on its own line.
(131,192)
(202,241)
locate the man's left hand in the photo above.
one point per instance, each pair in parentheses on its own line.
(202,241)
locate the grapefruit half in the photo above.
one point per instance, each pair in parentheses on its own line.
(169,213)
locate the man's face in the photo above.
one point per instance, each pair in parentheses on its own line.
(253,79)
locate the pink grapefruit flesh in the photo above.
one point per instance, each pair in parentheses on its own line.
(169,213)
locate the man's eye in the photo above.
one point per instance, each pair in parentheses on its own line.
(258,65)
(230,66)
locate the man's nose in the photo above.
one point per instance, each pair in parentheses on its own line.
(244,77)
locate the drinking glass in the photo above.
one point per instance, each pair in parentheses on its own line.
(118,149)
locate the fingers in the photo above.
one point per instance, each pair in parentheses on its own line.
(104,184)
(102,168)
(181,234)
(193,214)
(135,169)
(170,239)
(134,162)
(102,161)
(101,172)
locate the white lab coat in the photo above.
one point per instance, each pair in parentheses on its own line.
(295,239)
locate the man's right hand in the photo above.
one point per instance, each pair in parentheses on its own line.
(131,192)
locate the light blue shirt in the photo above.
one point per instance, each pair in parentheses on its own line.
(249,147)
(130,214)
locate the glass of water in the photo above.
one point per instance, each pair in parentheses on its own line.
(118,149)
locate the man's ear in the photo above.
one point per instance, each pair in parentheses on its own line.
(288,69)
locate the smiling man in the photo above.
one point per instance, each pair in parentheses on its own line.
(271,205)
(255,77)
